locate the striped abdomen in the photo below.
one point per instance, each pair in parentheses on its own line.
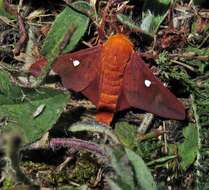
(115,55)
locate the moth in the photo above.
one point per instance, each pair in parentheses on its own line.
(114,77)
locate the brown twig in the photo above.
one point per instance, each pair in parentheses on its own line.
(101,28)
(184,65)
(189,56)
(23,35)
(76,144)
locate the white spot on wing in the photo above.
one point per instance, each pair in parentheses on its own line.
(76,63)
(147,83)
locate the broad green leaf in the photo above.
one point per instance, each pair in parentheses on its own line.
(152,16)
(127,21)
(154,13)
(20,113)
(126,133)
(69,20)
(113,185)
(143,175)
(7,89)
(93,127)
(66,31)
(148,22)
(124,19)
(122,168)
(189,148)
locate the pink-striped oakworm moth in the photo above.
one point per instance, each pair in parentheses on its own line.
(114,77)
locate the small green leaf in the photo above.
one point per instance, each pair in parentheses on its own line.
(154,13)
(198,51)
(152,16)
(131,24)
(189,148)
(19,112)
(126,134)
(161,160)
(143,175)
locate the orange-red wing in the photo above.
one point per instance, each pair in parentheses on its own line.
(92,90)
(144,91)
(80,71)
(35,68)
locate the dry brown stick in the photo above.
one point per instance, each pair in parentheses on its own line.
(101,28)
(184,65)
(23,35)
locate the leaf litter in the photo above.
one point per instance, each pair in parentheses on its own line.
(173,39)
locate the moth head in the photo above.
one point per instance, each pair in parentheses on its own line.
(120,40)
(119,46)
